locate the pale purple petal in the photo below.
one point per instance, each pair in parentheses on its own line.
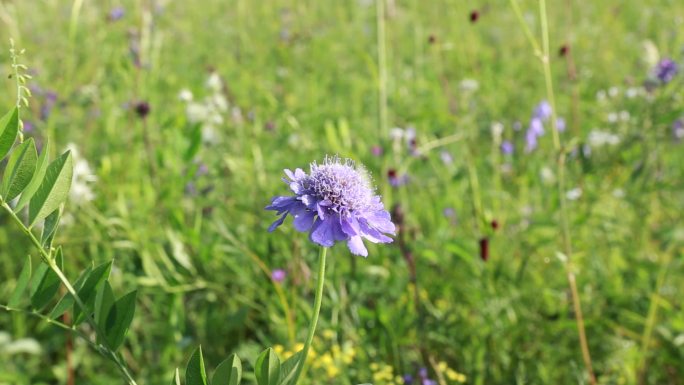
(304,220)
(356,246)
(277,223)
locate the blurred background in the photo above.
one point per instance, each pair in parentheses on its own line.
(183,114)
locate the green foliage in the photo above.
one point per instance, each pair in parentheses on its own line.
(22,284)
(195,373)
(181,213)
(267,368)
(53,190)
(20,169)
(38,175)
(228,372)
(45,283)
(9,126)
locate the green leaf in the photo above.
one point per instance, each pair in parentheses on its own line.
(195,373)
(119,319)
(104,301)
(45,283)
(288,368)
(176,378)
(50,229)
(22,283)
(229,372)
(9,126)
(267,368)
(19,171)
(88,292)
(68,300)
(41,167)
(53,190)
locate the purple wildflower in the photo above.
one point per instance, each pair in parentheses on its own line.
(278,275)
(678,129)
(560,125)
(334,202)
(507,147)
(117,13)
(534,131)
(48,104)
(376,150)
(665,70)
(408,379)
(542,111)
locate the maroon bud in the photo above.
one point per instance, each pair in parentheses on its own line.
(142,109)
(432,39)
(495,224)
(484,249)
(474,15)
(563,51)
(391,173)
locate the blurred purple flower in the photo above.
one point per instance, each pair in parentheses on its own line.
(334,202)
(560,125)
(408,379)
(28,128)
(446,157)
(534,131)
(278,275)
(678,129)
(376,150)
(542,111)
(395,179)
(117,13)
(507,147)
(665,70)
(48,104)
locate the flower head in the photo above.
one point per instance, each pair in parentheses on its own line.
(278,275)
(334,202)
(665,70)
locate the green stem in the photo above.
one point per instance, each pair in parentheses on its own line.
(47,258)
(316,311)
(382,68)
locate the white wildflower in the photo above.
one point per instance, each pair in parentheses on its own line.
(574,194)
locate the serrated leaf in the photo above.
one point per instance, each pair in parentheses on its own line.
(45,283)
(22,284)
(50,229)
(41,167)
(229,372)
(19,171)
(176,378)
(288,367)
(9,126)
(195,373)
(88,292)
(119,319)
(267,368)
(53,189)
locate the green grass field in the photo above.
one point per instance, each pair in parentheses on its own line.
(183,115)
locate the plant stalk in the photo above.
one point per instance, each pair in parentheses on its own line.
(316,311)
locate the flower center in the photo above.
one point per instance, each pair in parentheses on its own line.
(346,187)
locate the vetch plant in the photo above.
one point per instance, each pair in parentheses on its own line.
(34,188)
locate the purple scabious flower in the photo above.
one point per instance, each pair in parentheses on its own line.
(665,70)
(334,202)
